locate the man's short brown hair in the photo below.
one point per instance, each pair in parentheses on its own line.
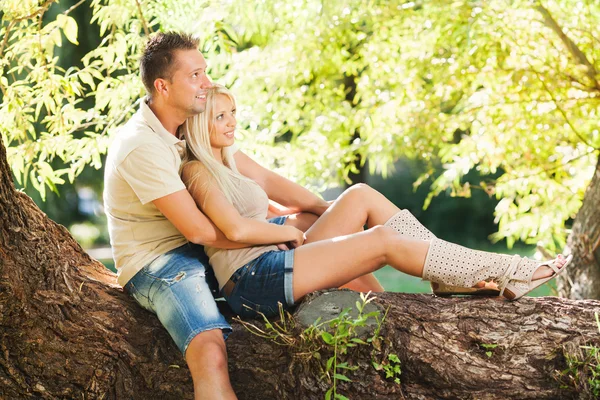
(158,57)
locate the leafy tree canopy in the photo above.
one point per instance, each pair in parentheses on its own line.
(508,88)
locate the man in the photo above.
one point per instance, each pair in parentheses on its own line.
(156,228)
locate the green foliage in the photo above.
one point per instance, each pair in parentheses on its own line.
(391,368)
(491,86)
(583,369)
(507,88)
(339,335)
(343,337)
(45,110)
(489,348)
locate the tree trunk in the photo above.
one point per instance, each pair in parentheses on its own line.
(582,281)
(67,331)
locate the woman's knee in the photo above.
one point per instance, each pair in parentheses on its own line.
(359,188)
(358,192)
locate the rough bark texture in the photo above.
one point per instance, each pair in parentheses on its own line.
(583,280)
(66,331)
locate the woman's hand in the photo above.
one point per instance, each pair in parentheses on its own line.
(296,238)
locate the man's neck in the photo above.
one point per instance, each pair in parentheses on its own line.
(168,117)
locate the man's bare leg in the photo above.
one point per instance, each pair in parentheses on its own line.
(206,357)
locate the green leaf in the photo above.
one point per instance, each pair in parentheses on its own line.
(327,337)
(330,362)
(86,78)
(69,27)
(394,358)
(341,377)
(328,394)
(340,397)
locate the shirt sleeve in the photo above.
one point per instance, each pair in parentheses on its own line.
(152,172)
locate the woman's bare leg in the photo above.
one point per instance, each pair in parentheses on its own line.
(335,262)
(302,221)
(358,206)
(366,283)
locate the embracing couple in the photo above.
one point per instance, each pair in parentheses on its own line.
(188,220)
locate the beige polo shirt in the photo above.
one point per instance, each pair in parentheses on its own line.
(142,165)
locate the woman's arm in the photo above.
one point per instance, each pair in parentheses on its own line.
(285,192)
(211,200)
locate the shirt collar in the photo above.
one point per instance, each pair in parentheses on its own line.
(153,123)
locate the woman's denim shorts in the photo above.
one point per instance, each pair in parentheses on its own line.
(178,287)
(263,283)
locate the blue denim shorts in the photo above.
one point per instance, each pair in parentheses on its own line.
(279,220)
(263,283)
(178,287)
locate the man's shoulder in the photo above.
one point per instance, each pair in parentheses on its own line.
(135,135)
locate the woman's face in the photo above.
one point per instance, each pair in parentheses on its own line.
(224,122)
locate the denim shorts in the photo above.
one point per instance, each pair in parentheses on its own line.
(279,220)
(263,282)
(178,287)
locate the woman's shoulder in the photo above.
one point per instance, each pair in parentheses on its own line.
(191,169)
(193,166)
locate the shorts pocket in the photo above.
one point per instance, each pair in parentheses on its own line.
(139,297)
(249,309)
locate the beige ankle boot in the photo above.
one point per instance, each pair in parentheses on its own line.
(406,224)
(456,265)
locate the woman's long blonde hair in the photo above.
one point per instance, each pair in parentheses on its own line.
(197,131)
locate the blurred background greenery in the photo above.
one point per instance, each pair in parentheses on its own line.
(480,117)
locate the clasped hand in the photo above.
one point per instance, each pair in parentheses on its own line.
(297,239)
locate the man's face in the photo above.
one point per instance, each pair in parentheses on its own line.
(187,86)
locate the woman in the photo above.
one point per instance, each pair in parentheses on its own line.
(330,254)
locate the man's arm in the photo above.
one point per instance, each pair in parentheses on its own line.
(181,210)
(279,189)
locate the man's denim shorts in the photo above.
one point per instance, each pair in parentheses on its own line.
(178,287)
(263,283)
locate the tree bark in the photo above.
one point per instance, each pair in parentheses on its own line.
(67,331)
(582,281)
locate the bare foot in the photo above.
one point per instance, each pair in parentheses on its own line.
(486,285)
(545,272)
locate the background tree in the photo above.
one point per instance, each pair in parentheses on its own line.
(509,89)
